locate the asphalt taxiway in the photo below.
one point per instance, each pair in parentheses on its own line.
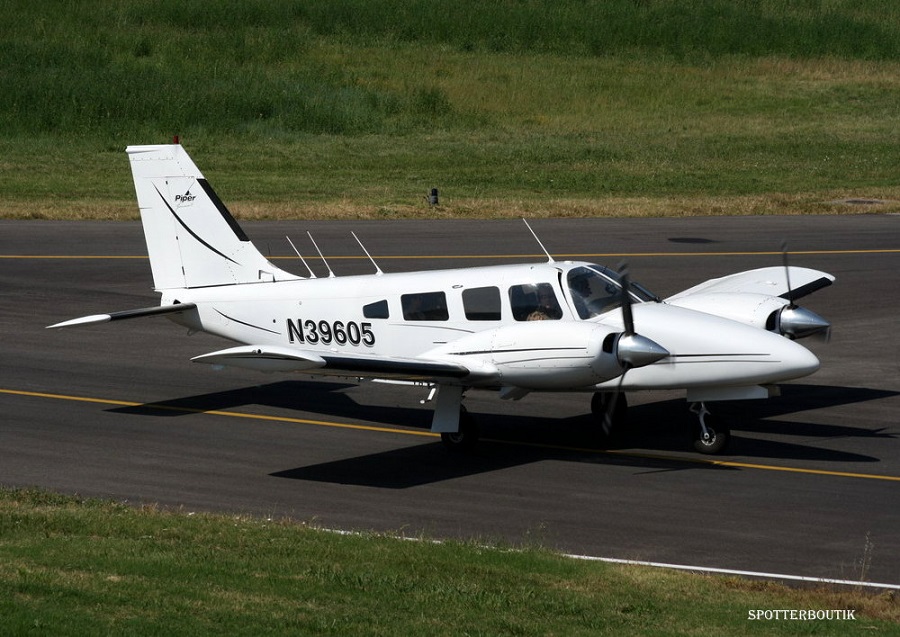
(811,485)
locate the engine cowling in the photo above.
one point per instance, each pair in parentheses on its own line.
(771,313)
(548,355)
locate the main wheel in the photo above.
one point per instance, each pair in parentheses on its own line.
(717,436)
(464,440)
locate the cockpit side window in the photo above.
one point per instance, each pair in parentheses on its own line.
(592,293)
(534,302)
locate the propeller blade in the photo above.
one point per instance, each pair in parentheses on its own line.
(611,405)
(627,316)
(787,273)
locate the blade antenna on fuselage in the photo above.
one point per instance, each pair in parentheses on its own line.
(378,271)
(533,234)
(312,274)
(321,256)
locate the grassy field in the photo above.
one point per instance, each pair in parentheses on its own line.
(328,109)
(84,567)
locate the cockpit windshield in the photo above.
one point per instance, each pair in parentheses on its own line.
(596,290)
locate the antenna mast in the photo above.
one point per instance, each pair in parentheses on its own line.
(549,258)
(311,273)
(378,271)
(321,256)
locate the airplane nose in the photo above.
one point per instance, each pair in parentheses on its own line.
(796,360)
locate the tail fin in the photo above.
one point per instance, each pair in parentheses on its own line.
(192,239)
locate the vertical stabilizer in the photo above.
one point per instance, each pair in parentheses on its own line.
(192,239)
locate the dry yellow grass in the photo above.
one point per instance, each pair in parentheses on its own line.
(770,204)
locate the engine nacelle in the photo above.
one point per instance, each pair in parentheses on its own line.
(539,354)
(771,313)
(749,309)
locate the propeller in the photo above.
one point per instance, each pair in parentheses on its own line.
(632,349)
(794,321)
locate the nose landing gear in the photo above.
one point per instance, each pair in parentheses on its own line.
(710,435)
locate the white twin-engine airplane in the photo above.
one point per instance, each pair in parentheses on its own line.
(469,328)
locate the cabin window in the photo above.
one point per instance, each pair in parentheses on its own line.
(377,310)
(424,306)
(482,304)
(534,302)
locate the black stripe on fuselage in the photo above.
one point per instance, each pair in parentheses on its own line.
(256,327)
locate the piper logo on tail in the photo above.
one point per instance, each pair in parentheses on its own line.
(185,198)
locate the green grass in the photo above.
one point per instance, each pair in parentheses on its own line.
(359,107)
(70,566)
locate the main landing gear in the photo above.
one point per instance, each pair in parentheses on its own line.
(464,440)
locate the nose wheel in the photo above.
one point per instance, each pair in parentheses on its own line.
(710,435)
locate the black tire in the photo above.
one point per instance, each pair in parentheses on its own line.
(719,436)
(466,439)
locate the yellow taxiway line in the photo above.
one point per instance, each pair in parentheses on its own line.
(214,412)
(411,432)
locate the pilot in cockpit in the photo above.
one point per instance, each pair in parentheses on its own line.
(547,308)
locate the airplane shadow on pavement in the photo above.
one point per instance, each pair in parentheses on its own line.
(510,440)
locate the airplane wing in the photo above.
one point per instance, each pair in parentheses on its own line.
(273,358)
(156,310)
(772,281)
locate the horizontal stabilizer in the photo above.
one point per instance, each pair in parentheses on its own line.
(264,358)
(94,319)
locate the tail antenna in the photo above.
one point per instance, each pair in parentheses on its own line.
(549,258)
(312,274)
(321,256)
(378,271)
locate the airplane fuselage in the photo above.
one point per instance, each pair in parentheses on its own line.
(471,315)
